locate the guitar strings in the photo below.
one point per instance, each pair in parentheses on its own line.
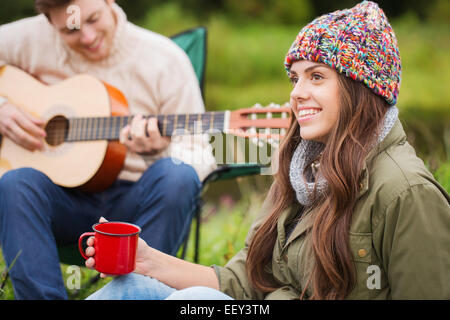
(101,128)
(112,132)
(63,136)
(126,119)
(109,127)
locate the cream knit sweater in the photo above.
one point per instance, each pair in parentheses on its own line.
(153,73)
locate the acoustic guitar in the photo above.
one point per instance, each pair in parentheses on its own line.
(84,116)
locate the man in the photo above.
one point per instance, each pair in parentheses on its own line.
(152,191)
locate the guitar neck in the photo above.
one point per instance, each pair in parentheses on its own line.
(108,128)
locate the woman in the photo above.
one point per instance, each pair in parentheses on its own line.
(352,213)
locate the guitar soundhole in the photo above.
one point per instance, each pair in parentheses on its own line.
(57,129)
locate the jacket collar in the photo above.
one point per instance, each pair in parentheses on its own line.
(396,136)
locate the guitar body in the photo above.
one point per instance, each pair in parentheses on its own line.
(90,165)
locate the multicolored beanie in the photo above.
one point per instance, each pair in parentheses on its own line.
(358,42)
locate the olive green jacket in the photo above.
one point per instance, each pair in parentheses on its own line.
(399,235)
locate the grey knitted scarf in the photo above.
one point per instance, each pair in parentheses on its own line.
(302,177)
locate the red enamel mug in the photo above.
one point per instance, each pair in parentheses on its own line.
(115,245)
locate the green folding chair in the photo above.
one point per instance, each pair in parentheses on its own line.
(194,43)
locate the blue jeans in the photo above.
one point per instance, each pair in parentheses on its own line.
(134,286)
(36,215)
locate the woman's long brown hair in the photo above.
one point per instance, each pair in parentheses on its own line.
(333,275)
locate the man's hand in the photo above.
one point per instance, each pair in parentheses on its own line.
(143,136)
(21,127)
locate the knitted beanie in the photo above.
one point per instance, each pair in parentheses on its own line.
(357,42)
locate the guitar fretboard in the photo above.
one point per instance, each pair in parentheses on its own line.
(108,128)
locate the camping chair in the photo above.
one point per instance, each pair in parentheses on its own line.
(194,43)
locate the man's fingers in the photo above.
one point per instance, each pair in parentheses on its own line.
(152,129)
(23,138)
(158,142)
(124,134)
(22,128)
(32,124)
(13,115)
(145,136)
(138,125)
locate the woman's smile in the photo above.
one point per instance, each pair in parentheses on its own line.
(307,114)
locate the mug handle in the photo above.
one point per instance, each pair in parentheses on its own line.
(80,243)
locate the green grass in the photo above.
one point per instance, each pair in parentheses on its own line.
(7,292)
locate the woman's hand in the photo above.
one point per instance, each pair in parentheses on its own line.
(174,272)
(143,136)
(142,255)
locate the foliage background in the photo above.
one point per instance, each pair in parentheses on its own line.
(247,41)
